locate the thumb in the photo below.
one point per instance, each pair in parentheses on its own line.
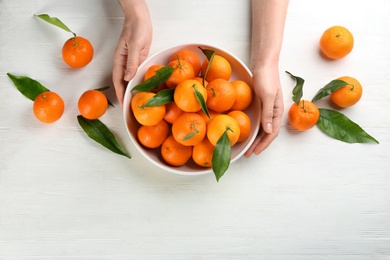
(267,115)
(131,66)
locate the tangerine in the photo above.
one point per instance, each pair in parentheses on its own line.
(220,95)
(185,96)
(77,52)
(153,136)
(220,124)
(146,115)
(243,121)
(244,95)
(207,119)
(174,153)
(189,56)
(48,107)
(336,42)
(304,115)
(348,95)
(219,68)
(202,153)
(189,129)
(92,104)
(183,71)
(172,111)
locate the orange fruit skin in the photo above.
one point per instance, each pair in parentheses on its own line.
(219,68)
(188,56)
(200,79)
(146,115)
(304,115)
(92,104)
(348,95)
(186,124)
(183,71)
(221,95)
(202,153)
(207,119)
(153,136)
(174,153)
(48,107)
(244,122)
(244,95)
(336,42)
(221,123)
(77,52)
(185,98)
(172,111)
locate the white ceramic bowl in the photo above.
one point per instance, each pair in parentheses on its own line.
(240,71)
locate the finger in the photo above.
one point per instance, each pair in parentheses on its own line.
(254,144)
(119,83)
(267,115)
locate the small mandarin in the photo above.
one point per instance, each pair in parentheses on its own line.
(92,104)
(77,52)
(48,107)
(153,136)
(304,115)
(348,95)
(174,153)
(146,115)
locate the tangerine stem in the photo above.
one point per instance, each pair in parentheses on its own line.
(178,61)
(74,40)
(303,106)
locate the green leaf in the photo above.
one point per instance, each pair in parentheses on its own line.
(329,89)
(162,97)
(298,89)
(99,132)
(210,55)
(202,102)
(161,76)
(340,127)
(54,21)
(221,156)
(30,88)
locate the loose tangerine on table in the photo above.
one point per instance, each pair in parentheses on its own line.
(77,52)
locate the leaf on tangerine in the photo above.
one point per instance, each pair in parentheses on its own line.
(162,97)
(202,102)
(221,156)
(210,55)
(29,87)
(54,21)
(298,89)
(329,89)
(152,83)
(100,133)
(340,127)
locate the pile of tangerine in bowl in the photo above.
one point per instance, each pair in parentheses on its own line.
(176,134)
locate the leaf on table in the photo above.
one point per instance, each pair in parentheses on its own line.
(298,89)
(99,132)
(162,97)
(340,127)
(29,87)
(221,156)
(54,21)
(154,82)
(329,89)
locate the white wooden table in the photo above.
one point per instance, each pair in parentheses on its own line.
(62,196)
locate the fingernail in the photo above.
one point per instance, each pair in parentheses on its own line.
(127,75)
(269,127)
